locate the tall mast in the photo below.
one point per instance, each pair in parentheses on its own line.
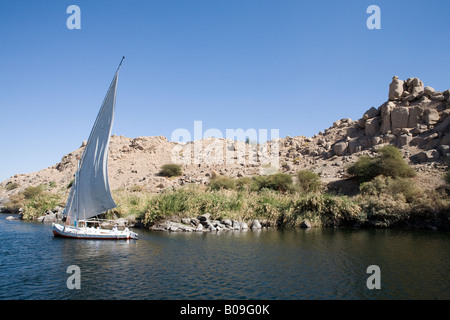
(76,193)
(120,64)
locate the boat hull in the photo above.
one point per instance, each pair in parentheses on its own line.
(91,233)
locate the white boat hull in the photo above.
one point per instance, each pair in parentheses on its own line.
(91,233)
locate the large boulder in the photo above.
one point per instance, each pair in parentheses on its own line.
(403,140)
(425,156)
(353,146)
(415,115)
(410,97)
(255,225)
(386,110)
(399,117)
(365,143)
(204,217)
(395,89)
(447,95)
(371,113)
(372,126)
(437,96)
(361,123)
(48,217)
(227,222)
(416,88)
(186,221)
(305,224)
(444,150)
(428,90)
(340,148)
(446,139)
(443,126)
(430,116)
(236,225)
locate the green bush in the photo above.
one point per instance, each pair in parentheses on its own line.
(132,203)
(137,188)
(15,202)
(363,168)
(279,182)
(389,162)
(39,204)
(391,186)
(222,182)
(384,211)
(170,170)
(320,209)
(12,186)
(32,192)
(34,202)
(261,182)
(246,183)
(308,181)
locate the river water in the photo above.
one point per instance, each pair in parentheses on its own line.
(267,264)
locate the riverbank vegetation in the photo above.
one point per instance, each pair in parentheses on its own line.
(33,202)
(388,197)
(376,206)
(271,207)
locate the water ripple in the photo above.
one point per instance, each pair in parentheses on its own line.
(268,264)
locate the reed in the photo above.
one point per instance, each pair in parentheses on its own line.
(278,209)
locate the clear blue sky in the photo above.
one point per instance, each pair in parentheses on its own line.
(291,65)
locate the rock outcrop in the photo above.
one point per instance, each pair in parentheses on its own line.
(413,115)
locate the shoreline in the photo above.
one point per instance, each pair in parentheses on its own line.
(203,223)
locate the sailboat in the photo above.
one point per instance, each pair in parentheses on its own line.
(90,194)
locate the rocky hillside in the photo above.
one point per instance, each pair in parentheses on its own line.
(415,118)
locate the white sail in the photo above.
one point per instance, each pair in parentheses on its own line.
(90,194)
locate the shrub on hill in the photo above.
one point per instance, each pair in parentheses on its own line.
(218,182)
(279,182)
(389,162)
(170,170)
(308,181)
